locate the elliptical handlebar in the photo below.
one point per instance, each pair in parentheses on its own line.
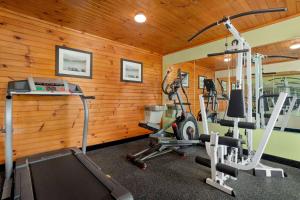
(224,19)
(177,83)
(171,89)
(165,87)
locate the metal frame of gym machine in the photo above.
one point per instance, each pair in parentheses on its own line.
(216,147)
(24,189)
(259,92)
(160,142)
(253,159)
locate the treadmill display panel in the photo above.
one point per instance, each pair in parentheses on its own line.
(43,86)
(47,85)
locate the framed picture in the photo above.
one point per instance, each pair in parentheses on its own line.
(185,80)
(224,85)
(232,86)
(201,82)
(131,71)
(73,62)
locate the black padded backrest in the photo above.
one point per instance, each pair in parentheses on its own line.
(236,107)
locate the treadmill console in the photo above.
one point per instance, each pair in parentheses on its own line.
(43,86)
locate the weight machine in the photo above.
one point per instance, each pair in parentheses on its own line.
(225,162)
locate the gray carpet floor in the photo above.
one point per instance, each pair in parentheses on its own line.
(170,177)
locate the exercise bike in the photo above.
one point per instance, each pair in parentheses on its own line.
(185,127)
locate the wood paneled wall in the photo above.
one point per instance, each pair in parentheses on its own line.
(193,90)
(27,48)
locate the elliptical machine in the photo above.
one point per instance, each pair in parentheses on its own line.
(212,100)
(185,127)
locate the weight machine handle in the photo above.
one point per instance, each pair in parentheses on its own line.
(228,52)
(88,97)
(224,19)
(281,56)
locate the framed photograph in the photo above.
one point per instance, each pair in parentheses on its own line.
(185,80)
(232,86)
(73,62)
(224,85)
(201,82)
(131,71)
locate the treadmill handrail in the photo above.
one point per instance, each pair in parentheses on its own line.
(8,130)
(47,93)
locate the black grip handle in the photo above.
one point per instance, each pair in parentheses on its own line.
(204,138)
(230,123)
(229,141)
(247,125)
(203,30)
(89,97)
(226,169)
(184,103)
(223,140)
(224,122)
(202,161)
(260,11)
(228,52)
(282,56)
(219,166)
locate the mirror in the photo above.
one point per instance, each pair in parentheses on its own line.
(280,73)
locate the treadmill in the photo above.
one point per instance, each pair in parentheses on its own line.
(66,174)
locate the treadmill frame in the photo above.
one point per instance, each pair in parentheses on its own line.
(118,191)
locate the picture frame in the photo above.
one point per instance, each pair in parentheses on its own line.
(73,62)
(201,81)
(131,71)
(185,81)
(224,85)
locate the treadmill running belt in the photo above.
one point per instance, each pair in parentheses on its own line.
(66,178)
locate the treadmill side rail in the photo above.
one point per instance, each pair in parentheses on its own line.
(117,191)
(23,184)
(6,190)
(23,189)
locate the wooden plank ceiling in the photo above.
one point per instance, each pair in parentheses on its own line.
(280,48)
(170,22)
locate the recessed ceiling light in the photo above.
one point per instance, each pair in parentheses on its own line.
(295,46)
(140,18)
(227,59)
